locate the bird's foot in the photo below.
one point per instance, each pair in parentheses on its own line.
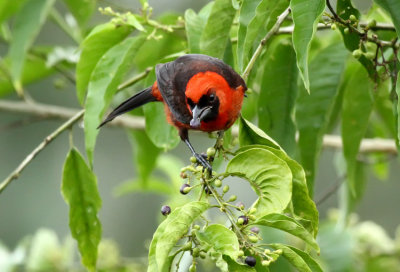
(202,160)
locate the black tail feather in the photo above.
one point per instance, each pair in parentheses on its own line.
(134,102)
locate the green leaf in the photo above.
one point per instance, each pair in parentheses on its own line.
(344,9)
(34,70)
(26,27)
(216,31)
(79,189)
(303,206)
(393,8)
(269,176)
(96,44)
(256,18)
(313,110)
(278,93)
(194,25)
(289,225)
(81,9)
(250,134)
(299,259)
(170,231)
(357,106)
(305,14)
(162,134)
(103,84)
(398,108)
(145,153)
(9,8)
(221,239)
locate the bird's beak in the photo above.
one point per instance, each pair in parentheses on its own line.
(195,122)
(198,115)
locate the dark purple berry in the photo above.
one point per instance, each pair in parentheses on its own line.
(165,210)
(182,190)
(250,261)
(255,230)
(245,219)
(207,190)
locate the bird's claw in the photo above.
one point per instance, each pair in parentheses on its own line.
(203,161)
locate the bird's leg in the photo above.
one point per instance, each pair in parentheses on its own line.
(183,133)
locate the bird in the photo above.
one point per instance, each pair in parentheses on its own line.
(199,92)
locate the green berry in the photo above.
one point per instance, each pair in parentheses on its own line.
(232,198)
(193,159)
(199,168)
(185,188)
(196,252)
(218,183)
(240,253)
(279,251)
(370,55)
(265,263)
(253,238)
(187,246)
(372,23)
(203,255)
(267,251)
(192,268)
(353,18)
(225,189)
(196,227)
(245,220)
(252,217)
(210,152)
(253,210)
(333,26)
(357,53)
(346,30)
(240,221)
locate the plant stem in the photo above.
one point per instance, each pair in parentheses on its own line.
(263,42)
(15,174)
(135,79)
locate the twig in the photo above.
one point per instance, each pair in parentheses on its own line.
(15,174)
(260,47)
(339,181)
(135,79)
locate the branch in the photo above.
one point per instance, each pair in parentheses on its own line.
(57,112)
(15,174)
(263,42)
(136,122)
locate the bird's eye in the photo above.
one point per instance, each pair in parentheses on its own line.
(211,97)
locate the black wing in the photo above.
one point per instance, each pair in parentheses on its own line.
(172,78)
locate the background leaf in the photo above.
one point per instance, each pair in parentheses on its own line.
(26,27)
(194,25)
(250,134)
(103,84)
(256,18)
(278,94)
(289,225)
(299,259)
(81,9)
(145,153)
(269,176)
(9,8)
(79,189)
(398,108)
(96,44)
(216,31)
(313,110)
(357,106)
(393,8)
(305,14)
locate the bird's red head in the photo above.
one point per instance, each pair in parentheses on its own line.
(212,102)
